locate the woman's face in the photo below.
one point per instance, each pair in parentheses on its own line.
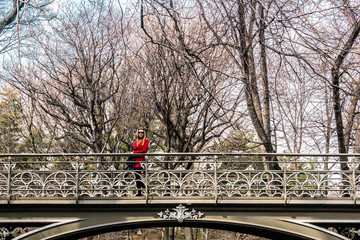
(141,133)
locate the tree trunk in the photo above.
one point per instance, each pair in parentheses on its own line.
(17,6)
(188,233)
(357,139)
(169,233)
(335,77)
(166,233)
(357,136)
(251,91)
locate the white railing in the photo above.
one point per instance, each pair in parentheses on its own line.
(188,175)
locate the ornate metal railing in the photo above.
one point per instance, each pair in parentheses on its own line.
(215,176)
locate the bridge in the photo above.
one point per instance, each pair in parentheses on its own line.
(68,196)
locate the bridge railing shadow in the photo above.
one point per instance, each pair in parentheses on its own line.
(225,176)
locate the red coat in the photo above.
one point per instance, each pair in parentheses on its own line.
(140,149)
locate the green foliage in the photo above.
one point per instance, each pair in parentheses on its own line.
(294,163)
(19,131)
(120,143)
(10,119)
(238,141)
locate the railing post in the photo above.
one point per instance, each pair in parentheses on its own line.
(146,181)
(353,181)
(9,181)
(318,192)
(43,179)
(77,181)
(215,179)
(181,192)
(284,182)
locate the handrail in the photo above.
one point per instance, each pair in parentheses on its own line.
(2,155)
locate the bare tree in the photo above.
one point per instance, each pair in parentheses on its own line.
(231,26)
(80,72)
(333,44)
(251,33)
(188,97)
(192,102)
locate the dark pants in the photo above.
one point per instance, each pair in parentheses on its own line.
(139,183)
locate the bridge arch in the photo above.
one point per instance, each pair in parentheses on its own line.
(242,228)
(75,224)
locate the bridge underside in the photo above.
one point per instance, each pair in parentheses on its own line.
(71,221)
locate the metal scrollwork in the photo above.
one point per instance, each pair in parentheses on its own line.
(12,232)
(180,213)
(12,165)
(206,177)
(356,232)
(4,233)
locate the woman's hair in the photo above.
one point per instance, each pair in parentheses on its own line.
(137,136)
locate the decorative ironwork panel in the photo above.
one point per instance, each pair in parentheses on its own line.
(233,184)
(27,184)
(336,185)
(12,232)
(124,183)
(180,213)
(198,184)
(267,184)
(95,184)
(303,184)
(164,183)
(3,185)
(60,184)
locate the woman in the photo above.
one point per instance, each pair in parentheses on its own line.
(141,145)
